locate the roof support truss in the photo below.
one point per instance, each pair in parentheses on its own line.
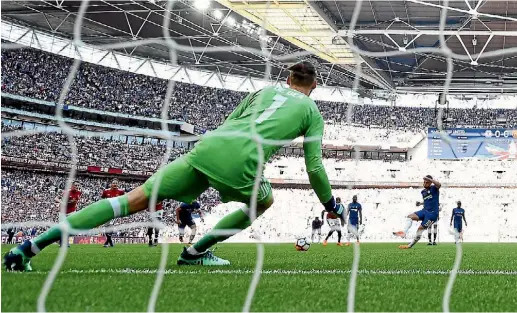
(428,32)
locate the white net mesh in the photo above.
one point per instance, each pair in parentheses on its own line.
(173,47)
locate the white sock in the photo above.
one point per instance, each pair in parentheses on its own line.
(417,238)
(409,222)
(34,248)
(191,250)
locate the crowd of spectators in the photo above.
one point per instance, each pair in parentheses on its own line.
(37,74)
(383,211)
(30,196)
(457,172)
(342,134)
(92,151)
(41,75)
(147,155)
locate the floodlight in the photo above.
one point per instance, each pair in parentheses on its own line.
(201,4)
(218,14)
(230,21)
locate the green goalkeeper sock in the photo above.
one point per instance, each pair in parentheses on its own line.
(90,217)
(236,220)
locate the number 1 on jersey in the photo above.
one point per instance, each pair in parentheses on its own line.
(279,101)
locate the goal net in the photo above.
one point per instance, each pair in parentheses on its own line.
(173,47)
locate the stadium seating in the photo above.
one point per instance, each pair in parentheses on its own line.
(92,151)
(384,211)
(37,74)
(95,151)
(342,134)
(30,197)
(469,171)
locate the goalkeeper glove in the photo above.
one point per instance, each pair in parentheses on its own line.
(330,206)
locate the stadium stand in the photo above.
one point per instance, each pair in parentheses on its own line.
(32,194)
(92,151)
(452,172)
(40,75)
(147,156)
(30,197)
(37,74)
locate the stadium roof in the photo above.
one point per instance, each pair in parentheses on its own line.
(472,28)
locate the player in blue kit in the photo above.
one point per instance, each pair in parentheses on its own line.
(355,218)
(428,215)
(458,216)
(184,218)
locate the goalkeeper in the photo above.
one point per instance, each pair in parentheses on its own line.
(226,159)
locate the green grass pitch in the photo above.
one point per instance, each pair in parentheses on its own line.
(98,279)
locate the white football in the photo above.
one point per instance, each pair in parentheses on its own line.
(302,244)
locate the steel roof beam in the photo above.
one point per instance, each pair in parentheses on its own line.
(423,58)
(477,13)
(270,5)
(296,36)
(258,19)
(119,10)
(326,15)
(318,6)
(200,30)
(428,32)
(377,70)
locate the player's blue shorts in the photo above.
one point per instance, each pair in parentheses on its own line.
(427,218)
(354,224)
(186,222)
(458,227)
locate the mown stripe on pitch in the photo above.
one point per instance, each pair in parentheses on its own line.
(282,272)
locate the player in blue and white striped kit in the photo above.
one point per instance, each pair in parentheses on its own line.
(355,218)
(458,216)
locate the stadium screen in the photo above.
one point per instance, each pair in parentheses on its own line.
(462,143)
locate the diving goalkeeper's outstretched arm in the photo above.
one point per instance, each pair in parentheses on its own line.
(313,162)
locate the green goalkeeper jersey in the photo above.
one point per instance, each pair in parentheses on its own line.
(229,155)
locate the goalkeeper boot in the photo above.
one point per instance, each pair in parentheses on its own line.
(206,258)
(404,247)
(17,259)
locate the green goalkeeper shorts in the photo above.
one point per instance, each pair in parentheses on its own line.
(181,181)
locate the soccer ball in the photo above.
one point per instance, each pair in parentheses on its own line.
(302,244)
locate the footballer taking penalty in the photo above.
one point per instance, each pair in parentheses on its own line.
(429,215)
(225,159)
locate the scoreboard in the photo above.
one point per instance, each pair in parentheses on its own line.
(462,143)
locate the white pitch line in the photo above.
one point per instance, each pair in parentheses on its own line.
(280,272)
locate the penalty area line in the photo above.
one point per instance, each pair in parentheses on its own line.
(135,271)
